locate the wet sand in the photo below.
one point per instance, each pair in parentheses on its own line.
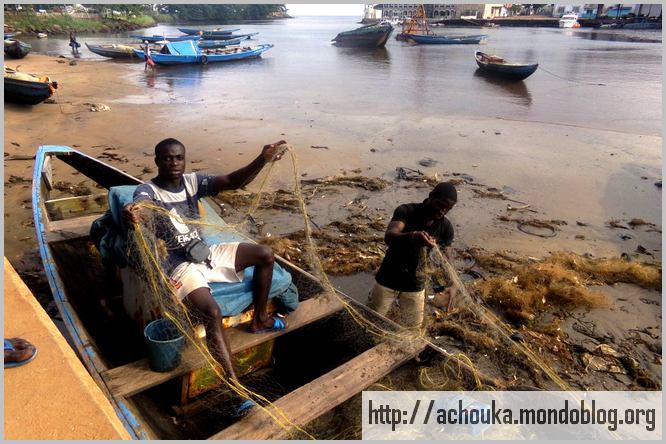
(583,176)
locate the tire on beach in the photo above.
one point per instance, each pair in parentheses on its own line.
(204,59)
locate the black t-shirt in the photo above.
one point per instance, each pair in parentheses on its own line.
(398,270)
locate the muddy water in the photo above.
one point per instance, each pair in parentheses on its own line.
(305,72)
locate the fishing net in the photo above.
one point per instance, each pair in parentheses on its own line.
(356,249)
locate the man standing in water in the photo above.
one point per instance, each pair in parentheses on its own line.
(414,229)
(191,264)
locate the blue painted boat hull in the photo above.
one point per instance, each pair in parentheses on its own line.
(446,40)
(202,59)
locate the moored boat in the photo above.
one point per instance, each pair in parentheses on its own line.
(164,38)
(212,44)
(370,36)
(217,31)
(446,40)
(569,21)
(27,89)
(114,51)
(499,67)
(187,52)
(246,36)
(16,49)
(110,343)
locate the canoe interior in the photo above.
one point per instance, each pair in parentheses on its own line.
(300,357)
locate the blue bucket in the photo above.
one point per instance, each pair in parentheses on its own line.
(164,345)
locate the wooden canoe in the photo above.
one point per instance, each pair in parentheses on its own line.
(499,67)
(111,348)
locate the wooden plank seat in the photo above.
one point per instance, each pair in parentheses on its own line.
(136,377)
(310,401)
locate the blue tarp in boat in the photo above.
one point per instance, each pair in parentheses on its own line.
(109,234)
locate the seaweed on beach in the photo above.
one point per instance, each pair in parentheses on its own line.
(524,288)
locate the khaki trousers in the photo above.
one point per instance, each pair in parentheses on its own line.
(411,304)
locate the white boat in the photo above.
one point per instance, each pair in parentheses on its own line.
(569,21)
(41,35)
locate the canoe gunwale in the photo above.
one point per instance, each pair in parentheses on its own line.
(85,346)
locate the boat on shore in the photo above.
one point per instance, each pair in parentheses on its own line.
(27,89)
(16,49)
(114,51)
(320,360)
(187,52)
(499,67)
(370,36)
(446,40)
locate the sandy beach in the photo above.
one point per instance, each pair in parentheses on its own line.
(509,169)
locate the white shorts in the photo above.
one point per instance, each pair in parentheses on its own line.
(189,276)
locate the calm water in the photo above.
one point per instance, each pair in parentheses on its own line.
(304,69)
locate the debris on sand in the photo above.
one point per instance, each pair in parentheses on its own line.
(280,199)
(412,175)
(522,291)
(16,180)
(617,224)
(341,254)
(79,189)
(427,162)
(98,107)
(367,183)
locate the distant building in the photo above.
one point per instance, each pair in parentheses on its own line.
(648,10)
(481,11)
(370,13)
(592,10)
(440,11)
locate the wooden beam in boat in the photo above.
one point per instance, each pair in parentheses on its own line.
(69,228)
(324,393)
(77,206)
(136,377)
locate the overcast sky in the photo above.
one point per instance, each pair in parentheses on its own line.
(324,9)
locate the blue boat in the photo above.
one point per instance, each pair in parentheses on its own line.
(163,38)
(212,44)
(229,36)
(218,32)
(499,67)
(178,53)
(446,40)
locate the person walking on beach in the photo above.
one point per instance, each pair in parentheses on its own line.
(73,43)
(191,263)
(149,58)
(413,230)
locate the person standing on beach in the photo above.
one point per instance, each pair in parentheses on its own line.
(414,229)
(192,264)
(149,58)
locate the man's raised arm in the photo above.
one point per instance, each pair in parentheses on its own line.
(245,175)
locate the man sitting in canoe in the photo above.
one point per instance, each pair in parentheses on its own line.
(414,229)
(191,263)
